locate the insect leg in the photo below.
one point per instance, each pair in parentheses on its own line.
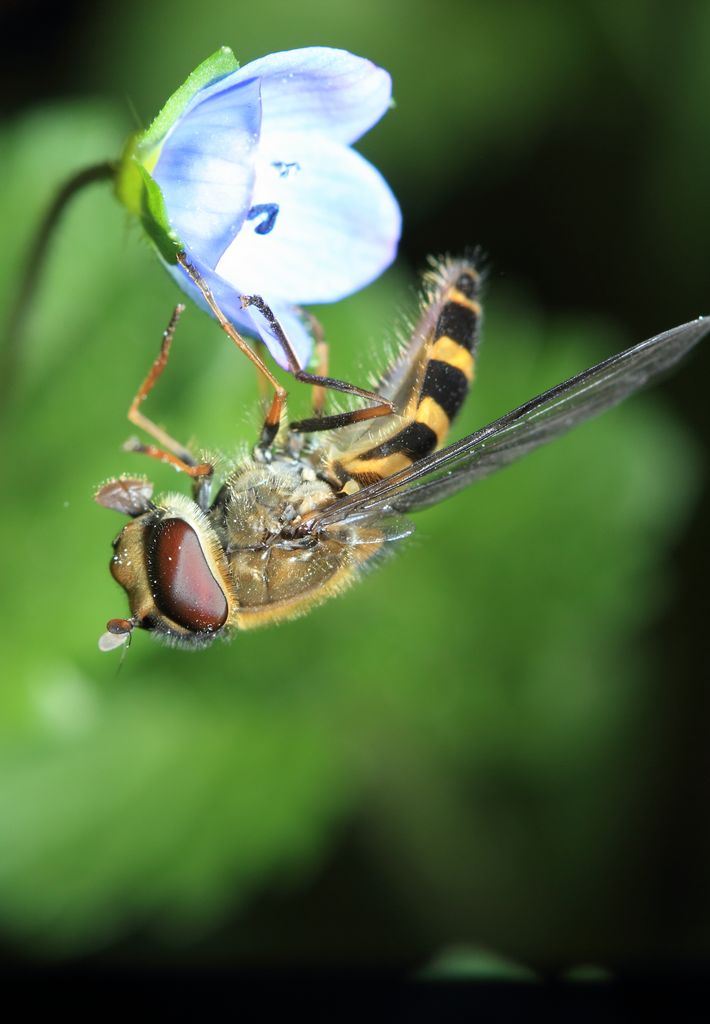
(171,451)
(383,408)
(278,402)
(261,381)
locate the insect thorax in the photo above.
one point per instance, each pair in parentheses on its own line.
(276,573)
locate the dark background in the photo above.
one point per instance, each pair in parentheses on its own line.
(571,143)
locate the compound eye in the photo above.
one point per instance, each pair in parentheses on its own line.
(182,584)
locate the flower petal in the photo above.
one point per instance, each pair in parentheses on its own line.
(332,224)
(249,321)
(206,166)
(319,89)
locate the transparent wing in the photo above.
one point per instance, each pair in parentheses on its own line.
(521,431)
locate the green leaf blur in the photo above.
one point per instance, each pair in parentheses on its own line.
(478,712)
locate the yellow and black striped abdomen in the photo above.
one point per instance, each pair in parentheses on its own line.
(442,388)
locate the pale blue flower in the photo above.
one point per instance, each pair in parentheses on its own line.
(250,171)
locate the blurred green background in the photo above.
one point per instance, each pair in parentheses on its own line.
(491,754)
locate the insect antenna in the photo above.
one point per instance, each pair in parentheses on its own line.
(118,633)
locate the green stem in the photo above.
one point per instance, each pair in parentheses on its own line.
(36,259)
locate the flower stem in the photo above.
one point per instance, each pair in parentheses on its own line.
(36,259)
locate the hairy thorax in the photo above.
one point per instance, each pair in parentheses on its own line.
(275,572)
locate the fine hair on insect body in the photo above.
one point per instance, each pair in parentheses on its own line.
(321,501)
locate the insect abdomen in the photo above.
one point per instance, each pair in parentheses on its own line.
(448,372)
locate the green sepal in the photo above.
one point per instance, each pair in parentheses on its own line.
(154,218)
(134,185)
(220,64)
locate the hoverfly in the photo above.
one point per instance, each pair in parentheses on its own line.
(298,521)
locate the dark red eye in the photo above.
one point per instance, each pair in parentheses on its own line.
(182,584)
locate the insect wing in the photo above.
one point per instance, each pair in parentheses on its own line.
(521,431)
(370,528)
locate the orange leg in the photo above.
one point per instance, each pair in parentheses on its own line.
(278,402)
(171,451)
(261,382)
(273,417)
